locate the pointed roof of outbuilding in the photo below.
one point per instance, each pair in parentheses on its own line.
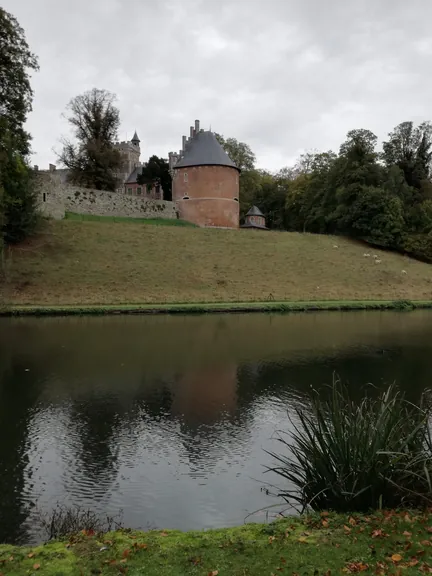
(205,150)
(135,138)
(254,211)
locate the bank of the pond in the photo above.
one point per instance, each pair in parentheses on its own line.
(214,307)
(381,543)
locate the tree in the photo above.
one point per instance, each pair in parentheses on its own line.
(18,205)
(16,59)
(239,152)
(93,161)
(410,148)
(156,170)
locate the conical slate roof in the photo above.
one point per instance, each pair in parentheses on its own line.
(135,138)
(254,211)
(205,150)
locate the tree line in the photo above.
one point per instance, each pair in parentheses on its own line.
(381,197)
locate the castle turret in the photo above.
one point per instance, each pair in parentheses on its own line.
(206,182)
(135,140)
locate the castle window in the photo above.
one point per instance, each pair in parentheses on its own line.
(149,188)
(185,176)
(139,190)
(235,199)
(185,198)
(129,191)
(44,197)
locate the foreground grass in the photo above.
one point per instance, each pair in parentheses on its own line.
(382,543)
(110,263)
(122,220)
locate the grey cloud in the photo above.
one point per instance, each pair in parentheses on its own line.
(282,75)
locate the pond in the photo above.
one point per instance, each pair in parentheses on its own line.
(167,418)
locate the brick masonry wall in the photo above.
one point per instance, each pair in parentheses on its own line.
(207,195)
(55,198)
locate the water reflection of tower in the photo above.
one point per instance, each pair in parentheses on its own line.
(204,395)
(205,405)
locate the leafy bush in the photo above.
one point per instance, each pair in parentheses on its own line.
(348,456)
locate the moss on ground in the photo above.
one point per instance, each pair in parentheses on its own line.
(381,543)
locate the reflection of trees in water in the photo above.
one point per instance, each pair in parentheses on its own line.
(19,393)
(291,380)
(94,426)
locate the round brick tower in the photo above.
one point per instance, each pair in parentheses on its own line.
(206,183)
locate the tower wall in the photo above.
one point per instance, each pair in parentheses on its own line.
(207,195)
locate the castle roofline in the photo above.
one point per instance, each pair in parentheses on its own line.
(204,150)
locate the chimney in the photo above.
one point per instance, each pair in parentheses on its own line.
(197,126)
(191,132)
(183,142)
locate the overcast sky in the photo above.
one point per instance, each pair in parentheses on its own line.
(282,75)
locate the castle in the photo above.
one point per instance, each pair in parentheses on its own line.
(205,186)
(205,181)
(131,168)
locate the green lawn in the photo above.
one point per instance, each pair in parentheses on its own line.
(106,263)
(154,221)
(381,543)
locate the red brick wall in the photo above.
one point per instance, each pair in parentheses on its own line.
(212,195)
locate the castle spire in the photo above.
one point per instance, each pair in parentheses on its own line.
(135,140)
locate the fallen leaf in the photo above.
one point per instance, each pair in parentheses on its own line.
(425,543)
(407,533)
(429,529)
(164,533)
(271,539)
(325,523)
(302,539)
(347,530)
(324,514)
(143,546)
(377,534)
(112,562)
(413,562)
(214,573)
(396,557)
(30,555)
(36,566)
(126,553)
(407,518)
(123,560)
(11,558)
(356,567)
(352,521)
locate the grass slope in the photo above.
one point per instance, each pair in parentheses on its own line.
(112,263)
(388,543)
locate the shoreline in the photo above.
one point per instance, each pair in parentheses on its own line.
(384,542)
(213,307)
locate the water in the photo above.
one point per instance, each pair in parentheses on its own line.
(168,418)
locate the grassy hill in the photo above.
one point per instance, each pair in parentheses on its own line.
(106,262)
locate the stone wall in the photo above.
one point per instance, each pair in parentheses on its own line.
(55,198)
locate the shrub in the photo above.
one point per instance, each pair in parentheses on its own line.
(348,456)
(63,522)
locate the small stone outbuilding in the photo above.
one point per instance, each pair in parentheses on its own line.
(255,219)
